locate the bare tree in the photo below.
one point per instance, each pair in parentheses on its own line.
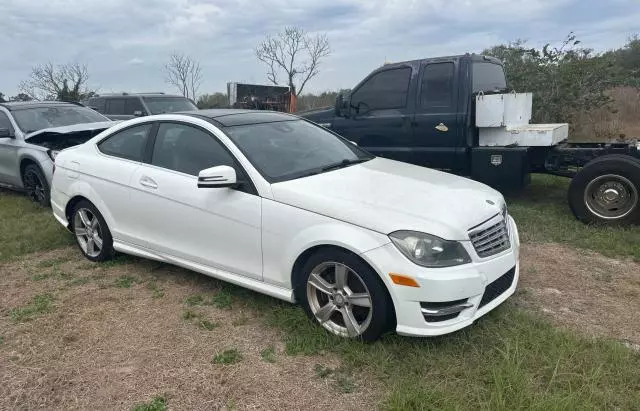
(62,82)
(295,54)
(185,74)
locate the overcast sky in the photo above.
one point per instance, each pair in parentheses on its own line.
(126,42)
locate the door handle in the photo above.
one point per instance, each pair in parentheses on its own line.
(442,127)
(148,182)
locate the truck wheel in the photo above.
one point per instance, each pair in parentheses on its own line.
(607,191)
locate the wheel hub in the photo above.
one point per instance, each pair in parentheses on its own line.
(611,194)
(339,300)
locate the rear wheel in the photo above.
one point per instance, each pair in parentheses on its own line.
(91,231)
(607,191)
(344,295)
(36,185)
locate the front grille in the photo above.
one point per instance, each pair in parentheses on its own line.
(492,240)
(496,288)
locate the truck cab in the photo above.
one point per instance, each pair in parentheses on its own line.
(417,111)
(456,114)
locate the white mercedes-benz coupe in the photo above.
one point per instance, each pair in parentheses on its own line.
(282,206)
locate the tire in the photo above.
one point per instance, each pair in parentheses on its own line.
(36,185)
(607,191)
(86,217)
(363,286)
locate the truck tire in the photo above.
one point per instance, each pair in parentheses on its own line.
(607,191)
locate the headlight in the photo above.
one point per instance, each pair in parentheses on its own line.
(53,154)
(428,250)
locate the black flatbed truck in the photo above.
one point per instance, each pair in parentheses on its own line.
(424,112)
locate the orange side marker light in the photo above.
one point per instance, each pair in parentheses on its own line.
(405,280)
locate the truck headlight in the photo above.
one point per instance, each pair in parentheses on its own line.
(428,250)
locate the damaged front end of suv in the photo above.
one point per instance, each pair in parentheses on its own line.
(56,139)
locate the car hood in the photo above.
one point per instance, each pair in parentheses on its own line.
(72,128)
(385,196)
(320,116)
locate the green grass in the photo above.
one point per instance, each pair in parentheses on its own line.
(269,354)
(193,300)
(156,291)
(79,281)
(157,404)
(207,325)
(41,304)
(55,273)
(26,227)
(227,357)
(543,215)
(1,339)
(125,281)
(223,299)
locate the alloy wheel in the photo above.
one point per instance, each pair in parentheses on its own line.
(339,299)
(88,232)
(34,186)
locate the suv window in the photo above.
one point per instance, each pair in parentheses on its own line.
(128,143)
(115,106)
(437,85)
(132,105)
(97,103)
(5,122)
(384,90)
(188,149)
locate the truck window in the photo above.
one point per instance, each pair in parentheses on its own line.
(488,77)
(437,85)
(384,90)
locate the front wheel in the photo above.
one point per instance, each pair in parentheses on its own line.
(344,295)
(607,191)
(36,185)
(91,231)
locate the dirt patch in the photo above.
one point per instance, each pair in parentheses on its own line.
(118,335)
(582,290)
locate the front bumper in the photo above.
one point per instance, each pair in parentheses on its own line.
(459,289)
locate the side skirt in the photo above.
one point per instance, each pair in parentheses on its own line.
(251,284)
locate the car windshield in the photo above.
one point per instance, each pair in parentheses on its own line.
(159,105)
(37,118)
(286,150)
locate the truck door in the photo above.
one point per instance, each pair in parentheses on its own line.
(381,113)
(437,130)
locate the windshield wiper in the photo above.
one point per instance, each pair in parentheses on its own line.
(344,163)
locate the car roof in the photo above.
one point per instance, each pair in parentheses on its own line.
(239,117)
(16,105)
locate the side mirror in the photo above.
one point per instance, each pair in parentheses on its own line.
(137,113)
(217,177)
(5,133)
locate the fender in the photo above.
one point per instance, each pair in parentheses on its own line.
(81,188)
(278,265)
